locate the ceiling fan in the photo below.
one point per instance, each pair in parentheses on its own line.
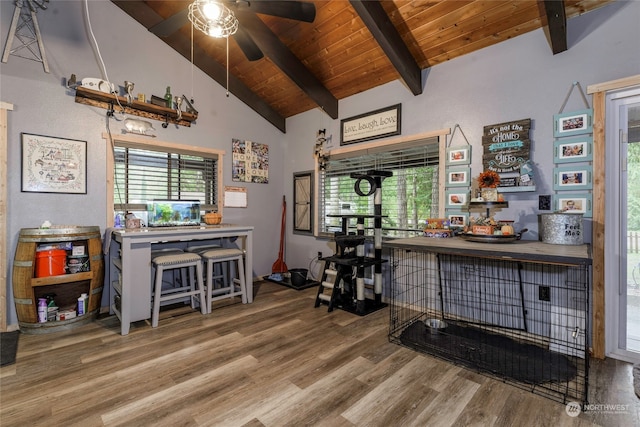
(296,10)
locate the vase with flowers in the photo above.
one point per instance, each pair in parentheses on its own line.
(488,182)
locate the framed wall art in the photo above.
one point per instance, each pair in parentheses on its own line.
(457,199)
(53,165)
(458,219)
(458,177)
(575,123)
(572,178)
(574,203)
(372,125)
(250,161)
(303,202)
(459,155)
(579,149)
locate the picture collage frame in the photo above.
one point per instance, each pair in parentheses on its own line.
(572,157)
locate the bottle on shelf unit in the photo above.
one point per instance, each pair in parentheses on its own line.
(42,310)
(168,98)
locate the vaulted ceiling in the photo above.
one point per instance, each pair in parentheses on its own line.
(349,47)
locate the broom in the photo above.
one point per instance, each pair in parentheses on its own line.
(279,266)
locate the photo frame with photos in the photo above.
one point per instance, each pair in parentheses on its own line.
(578,149)
(575,177)
(457,199)
(53,165)
(458,219)
(459,155)
(458,177)
(574,123)
(574,203)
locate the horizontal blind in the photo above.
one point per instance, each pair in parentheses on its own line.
(144,175)
(408,197)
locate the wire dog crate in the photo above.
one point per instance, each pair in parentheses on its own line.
(524,322)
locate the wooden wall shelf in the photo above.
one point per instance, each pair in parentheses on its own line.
(107,101)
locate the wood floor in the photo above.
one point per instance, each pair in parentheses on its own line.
(276,362)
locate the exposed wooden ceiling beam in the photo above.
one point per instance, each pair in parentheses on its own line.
(557,24)
(283,58)
(182,44)
(387,36)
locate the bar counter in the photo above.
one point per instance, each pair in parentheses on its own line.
(129,254)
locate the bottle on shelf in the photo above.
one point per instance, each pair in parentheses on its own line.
(168,98)
(42,310)
(82,304)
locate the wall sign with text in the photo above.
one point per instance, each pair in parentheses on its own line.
(372,125)
(250,161)
(506,150)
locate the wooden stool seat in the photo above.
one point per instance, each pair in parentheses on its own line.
(230,286)
(191,286)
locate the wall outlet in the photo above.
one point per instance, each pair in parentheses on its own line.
(544,293)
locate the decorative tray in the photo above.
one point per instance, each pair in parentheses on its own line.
(490,238)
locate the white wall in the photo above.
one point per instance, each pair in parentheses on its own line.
(43,105)
(516,79)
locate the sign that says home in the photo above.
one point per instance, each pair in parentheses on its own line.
(506,146)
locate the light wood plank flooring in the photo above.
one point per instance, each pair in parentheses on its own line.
(276,362)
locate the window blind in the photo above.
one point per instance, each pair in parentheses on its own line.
(409,197)
(142,175)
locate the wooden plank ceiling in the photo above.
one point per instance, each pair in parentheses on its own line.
(351,46)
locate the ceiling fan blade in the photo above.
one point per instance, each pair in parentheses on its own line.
(171,24)
(247,45)
(298,10)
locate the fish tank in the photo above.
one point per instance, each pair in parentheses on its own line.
(173,213)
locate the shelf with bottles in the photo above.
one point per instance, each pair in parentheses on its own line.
(58,265)
(148,110)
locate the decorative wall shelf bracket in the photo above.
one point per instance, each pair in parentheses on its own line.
(143,109)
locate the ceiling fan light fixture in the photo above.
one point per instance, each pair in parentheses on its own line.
(213,18)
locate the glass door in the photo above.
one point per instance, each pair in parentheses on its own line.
(630,190)
(623,226)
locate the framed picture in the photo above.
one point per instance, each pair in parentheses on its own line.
(576,203)
(457,199)
(572,178)
(458,219)
(458,177)
(575,123)
(53,165)
(372,125)
(579,149)
(459,155)
(303,202)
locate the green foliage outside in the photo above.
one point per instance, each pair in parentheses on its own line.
(407,199)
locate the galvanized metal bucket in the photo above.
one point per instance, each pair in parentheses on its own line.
(562,228)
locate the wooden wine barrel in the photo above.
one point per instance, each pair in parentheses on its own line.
(27,288)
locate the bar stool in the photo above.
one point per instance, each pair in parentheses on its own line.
(229,286)
(190,286)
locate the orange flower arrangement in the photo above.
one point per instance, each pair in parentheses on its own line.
(488,179)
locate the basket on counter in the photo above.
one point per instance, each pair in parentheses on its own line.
(212,218)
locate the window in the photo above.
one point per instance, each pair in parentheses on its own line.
(409,197)
(148,171)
